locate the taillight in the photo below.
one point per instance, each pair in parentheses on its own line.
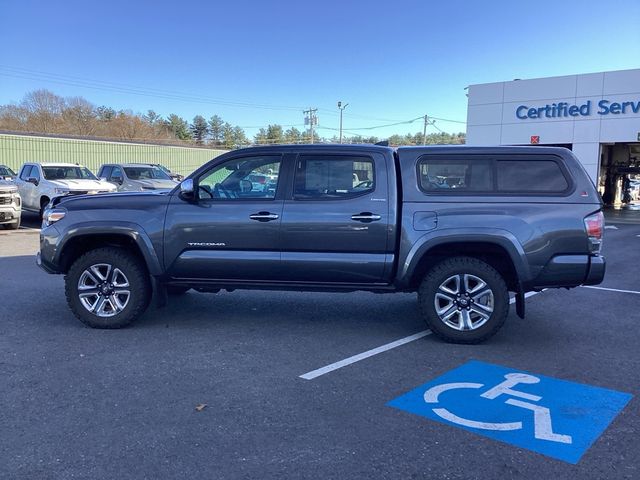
(594,224)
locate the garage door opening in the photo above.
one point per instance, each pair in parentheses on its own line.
(619,179)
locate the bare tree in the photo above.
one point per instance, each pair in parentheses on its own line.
(45,109)
(79,117)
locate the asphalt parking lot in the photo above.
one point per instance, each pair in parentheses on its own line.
(82,403)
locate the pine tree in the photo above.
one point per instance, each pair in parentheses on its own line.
(199,129)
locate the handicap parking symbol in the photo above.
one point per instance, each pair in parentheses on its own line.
(557,418)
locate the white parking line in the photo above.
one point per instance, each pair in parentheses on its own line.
(361,356)
(611,289)
(375,351)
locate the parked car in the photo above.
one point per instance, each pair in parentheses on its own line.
(10,205)
(520,219)
(136,177)
(38,183)
(6,173)
(259,182)
(174,176)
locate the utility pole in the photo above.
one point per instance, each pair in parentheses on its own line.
(311,119)
(424,130)
(341,108)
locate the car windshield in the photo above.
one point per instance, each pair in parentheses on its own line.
(146,173)
(68,173)
(6,171)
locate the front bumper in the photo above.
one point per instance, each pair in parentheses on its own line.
(47,268)
(9,214)
(47,255)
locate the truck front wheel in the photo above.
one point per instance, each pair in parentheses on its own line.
(108,288)
(464,300)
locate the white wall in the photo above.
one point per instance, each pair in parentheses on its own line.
(491,113)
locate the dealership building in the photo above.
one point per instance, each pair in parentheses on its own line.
(597,115)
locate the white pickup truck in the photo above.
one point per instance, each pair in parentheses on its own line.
(10,209)
(38,183)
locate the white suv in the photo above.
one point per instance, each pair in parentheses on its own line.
(38,183)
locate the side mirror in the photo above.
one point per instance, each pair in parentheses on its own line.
(118,180)
(187,190)
(33,180)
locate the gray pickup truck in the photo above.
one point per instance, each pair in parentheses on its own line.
(461,226)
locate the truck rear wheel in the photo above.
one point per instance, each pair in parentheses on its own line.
(108,288)
(464,300)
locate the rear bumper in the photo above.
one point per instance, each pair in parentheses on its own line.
(597,268)
(571,271)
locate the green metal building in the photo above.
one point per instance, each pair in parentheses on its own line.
(16,149)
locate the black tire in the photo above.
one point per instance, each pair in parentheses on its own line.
(175,290)
(135,273)
(44,201)
(483,328)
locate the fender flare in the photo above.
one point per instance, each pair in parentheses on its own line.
(131,230)
(499,237)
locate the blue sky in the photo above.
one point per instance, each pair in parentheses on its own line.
(391,61)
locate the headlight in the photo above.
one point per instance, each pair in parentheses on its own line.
(52,216)
(61,191)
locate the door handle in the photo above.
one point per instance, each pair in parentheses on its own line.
(366,217)
(264,216)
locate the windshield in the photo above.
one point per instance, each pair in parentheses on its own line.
(68,173)
(145,173)
(6,171)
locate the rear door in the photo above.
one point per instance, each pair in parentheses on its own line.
(335,223)
(232,231)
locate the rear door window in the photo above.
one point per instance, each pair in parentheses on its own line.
(333,177)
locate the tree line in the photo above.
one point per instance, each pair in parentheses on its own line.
(42,111)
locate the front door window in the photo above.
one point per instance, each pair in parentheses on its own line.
(241,179)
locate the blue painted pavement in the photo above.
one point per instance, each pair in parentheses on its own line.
(553,417)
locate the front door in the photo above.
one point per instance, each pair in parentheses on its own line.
(232,230)
(336,218)
(28,191)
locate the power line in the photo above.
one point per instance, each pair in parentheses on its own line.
(129,89)
(17,72)
(29,74)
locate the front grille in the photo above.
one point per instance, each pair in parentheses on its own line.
(5,200)
(78,192)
